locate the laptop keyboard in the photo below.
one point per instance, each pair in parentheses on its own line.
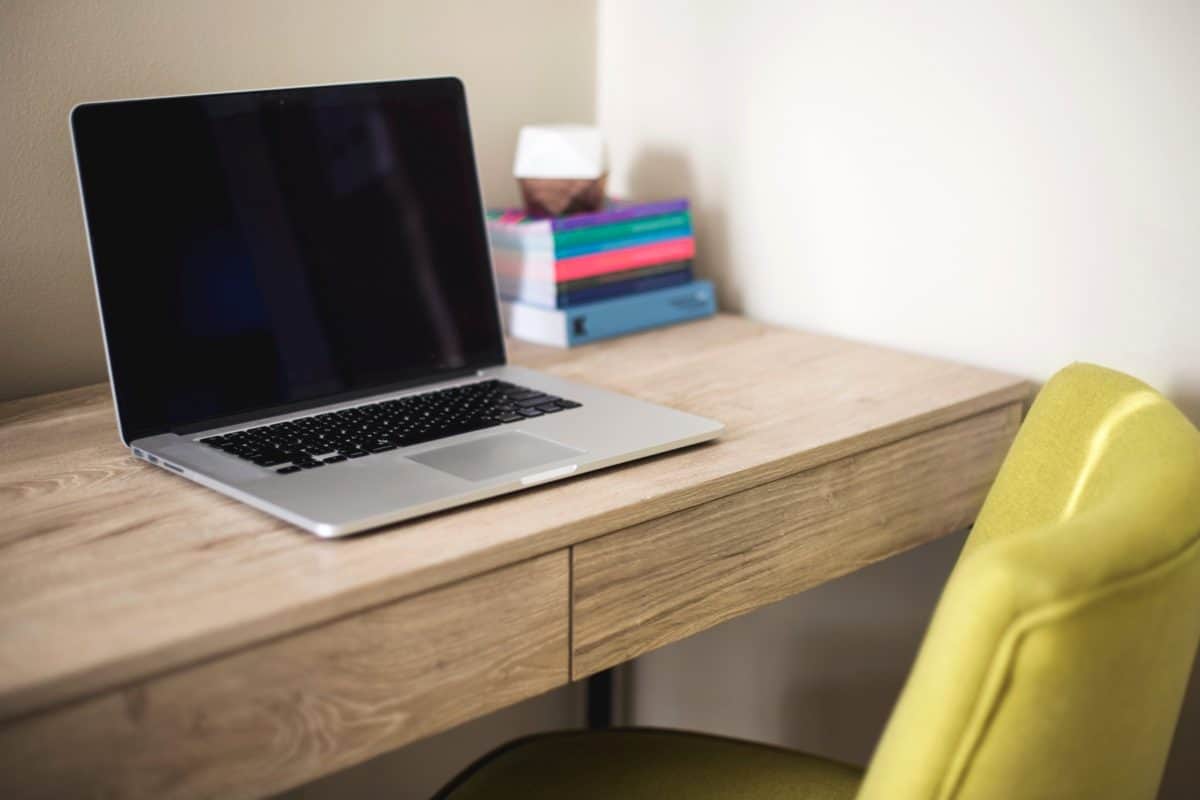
(311,442)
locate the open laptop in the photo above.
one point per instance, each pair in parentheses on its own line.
(299,310)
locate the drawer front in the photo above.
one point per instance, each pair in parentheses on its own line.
(282,713)
(665,579)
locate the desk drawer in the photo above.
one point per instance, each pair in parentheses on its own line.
(665,579)
(274,716)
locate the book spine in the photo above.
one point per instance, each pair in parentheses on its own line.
(571,251)
(543,291)
(623,275)
(569,269)
(545,247)
(622,230)
(609,318)
(619,214)
(607,291)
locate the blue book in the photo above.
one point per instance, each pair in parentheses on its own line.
(550,294)
(568,327)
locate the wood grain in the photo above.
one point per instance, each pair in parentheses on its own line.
(262,721)
(112,570)
(662,580)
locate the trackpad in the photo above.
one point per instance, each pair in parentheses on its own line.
(494,455)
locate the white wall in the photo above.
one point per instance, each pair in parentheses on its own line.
(1014,185)
(522,61)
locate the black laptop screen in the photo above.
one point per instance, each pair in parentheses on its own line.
(263,251)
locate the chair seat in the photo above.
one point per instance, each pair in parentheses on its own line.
(638,763)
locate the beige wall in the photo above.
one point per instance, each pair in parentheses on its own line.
(522,61)
(1009,184)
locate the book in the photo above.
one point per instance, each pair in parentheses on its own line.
(605,319)
(549,294)
(680,249)
(541,239)
(620,244)
(680,223)
(611,277)
(647,283)
(548,268)
(543,249)
(616,211)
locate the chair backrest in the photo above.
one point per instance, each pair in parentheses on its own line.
(1057,659)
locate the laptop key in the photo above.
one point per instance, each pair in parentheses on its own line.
(535,401)
(380,426)
(270,461)
(287,470)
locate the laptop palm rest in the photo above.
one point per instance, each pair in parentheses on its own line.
(493,456)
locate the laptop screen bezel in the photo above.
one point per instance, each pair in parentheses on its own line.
(131,430)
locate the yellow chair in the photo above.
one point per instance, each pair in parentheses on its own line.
(1054,666)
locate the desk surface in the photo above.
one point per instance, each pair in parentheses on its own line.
(112,571)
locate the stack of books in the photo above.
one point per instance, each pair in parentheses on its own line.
(574,279)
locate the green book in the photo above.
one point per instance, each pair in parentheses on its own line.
(622,230)
(538,238)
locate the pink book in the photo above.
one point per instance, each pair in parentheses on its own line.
(571,269)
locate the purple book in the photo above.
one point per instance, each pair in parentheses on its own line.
(616,212)
(620,212)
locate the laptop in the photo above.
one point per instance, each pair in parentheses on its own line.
(299,309)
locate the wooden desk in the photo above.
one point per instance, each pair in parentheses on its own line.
(158,639)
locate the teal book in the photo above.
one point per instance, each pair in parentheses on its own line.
(662,234)
(568,327)
(537,239)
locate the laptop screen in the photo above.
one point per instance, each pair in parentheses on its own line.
(259,252)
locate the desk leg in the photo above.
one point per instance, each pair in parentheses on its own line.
(600,700)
